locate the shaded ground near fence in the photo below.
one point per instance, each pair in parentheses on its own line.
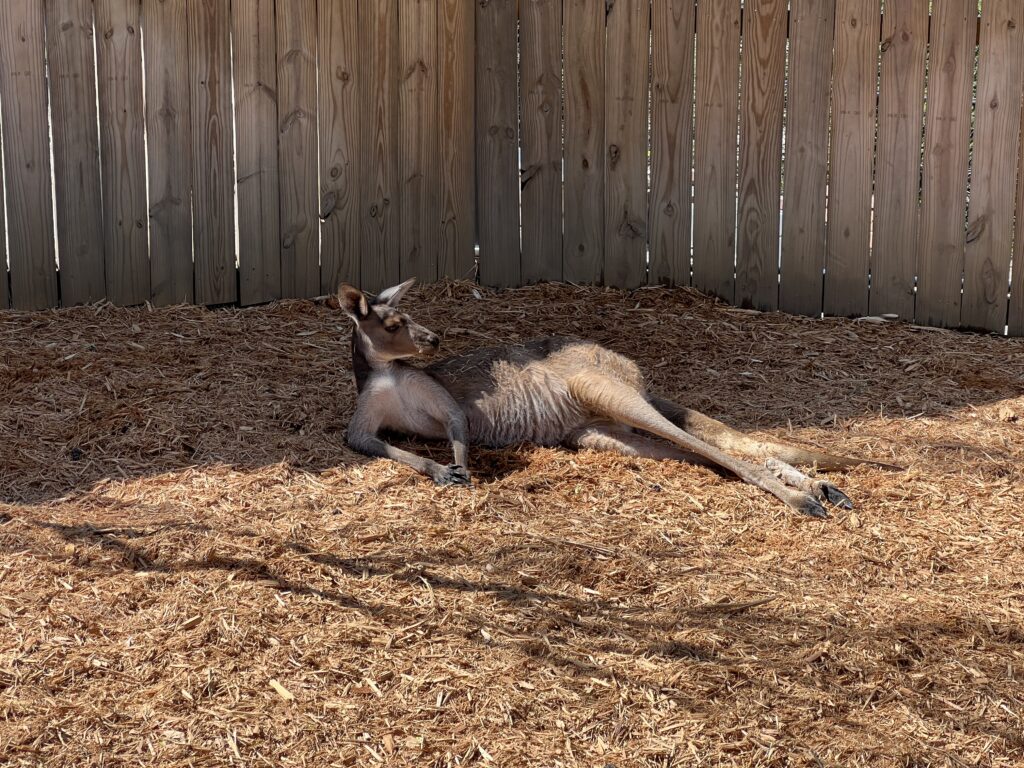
(196,571)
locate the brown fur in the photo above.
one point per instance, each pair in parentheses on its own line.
(548,391)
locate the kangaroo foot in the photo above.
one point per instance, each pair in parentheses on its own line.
(452,474)
(818,489)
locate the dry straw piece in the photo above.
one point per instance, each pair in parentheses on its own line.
(196,571)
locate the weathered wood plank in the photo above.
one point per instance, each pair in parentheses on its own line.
(76,150)
(5,292)
(497,139)
(764,62)
(854,78)
(718,72)
(419,140)
(339,49)
(897,170)
(213,195)
(540,34)
(583,244)
(996,138)
(380,234)
(169,125)
(812,24)
(259,223)
(672,42)
(1016,312)
(625,192)
(944,184)
(27,155)
(298,157)
(456,254)
(122,150)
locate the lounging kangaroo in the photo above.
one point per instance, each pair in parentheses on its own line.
(548,391)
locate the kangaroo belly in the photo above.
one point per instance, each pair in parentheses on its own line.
(535,408)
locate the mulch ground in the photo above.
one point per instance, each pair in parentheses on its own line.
(195,570)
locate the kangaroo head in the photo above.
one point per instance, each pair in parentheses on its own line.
(384,332)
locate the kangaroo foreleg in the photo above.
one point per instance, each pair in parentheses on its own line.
(612,399)
(371,445)
(728,439)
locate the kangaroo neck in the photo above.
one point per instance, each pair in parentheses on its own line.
(364,367)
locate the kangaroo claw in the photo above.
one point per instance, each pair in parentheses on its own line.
(453,474)
(811,507)
(834,496)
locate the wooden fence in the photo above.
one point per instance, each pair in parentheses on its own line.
(810,155)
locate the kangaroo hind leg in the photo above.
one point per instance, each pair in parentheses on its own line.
(610,398)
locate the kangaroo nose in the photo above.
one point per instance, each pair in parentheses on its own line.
(435,340)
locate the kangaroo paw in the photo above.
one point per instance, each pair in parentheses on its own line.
(819,489)
(806,504)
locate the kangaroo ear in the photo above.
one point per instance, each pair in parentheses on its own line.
(353,302)
(391,296)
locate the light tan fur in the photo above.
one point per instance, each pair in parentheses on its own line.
(548,391)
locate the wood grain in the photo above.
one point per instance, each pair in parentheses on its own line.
(419,140)
(764,62)
(626,101)
(583,244)
(339,70)
(169,125)
(540,178)
(122,150)
(854,79)
(497,141)
(76,150)
(5,283)
(718,71)
(456,250)
(298,156)
(944,184)
(212,151)
(672,51)
(1015,318)
(27,155)
(812,23)
(23,91)
(996,138)
(380,233)
(898,163)
(259,224)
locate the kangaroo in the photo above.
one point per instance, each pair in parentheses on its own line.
(548,391)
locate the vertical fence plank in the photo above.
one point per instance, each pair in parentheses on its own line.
(812,24)
(27,155)
(944,184)
(854,80)
(457,33)
(625,194)
(672,30)
(718,72)
(76,150)
(897,174)
(169,125)
(764,72)
(419,140)
(583,244)
(339,49)
(5,297)
(541,174)
(1016,313)
(254,37)
(212,151)
(497,133)
(122,150)
(298,156)
(378,20)
(996,138)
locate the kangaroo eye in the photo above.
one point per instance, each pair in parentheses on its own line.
(391,328)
